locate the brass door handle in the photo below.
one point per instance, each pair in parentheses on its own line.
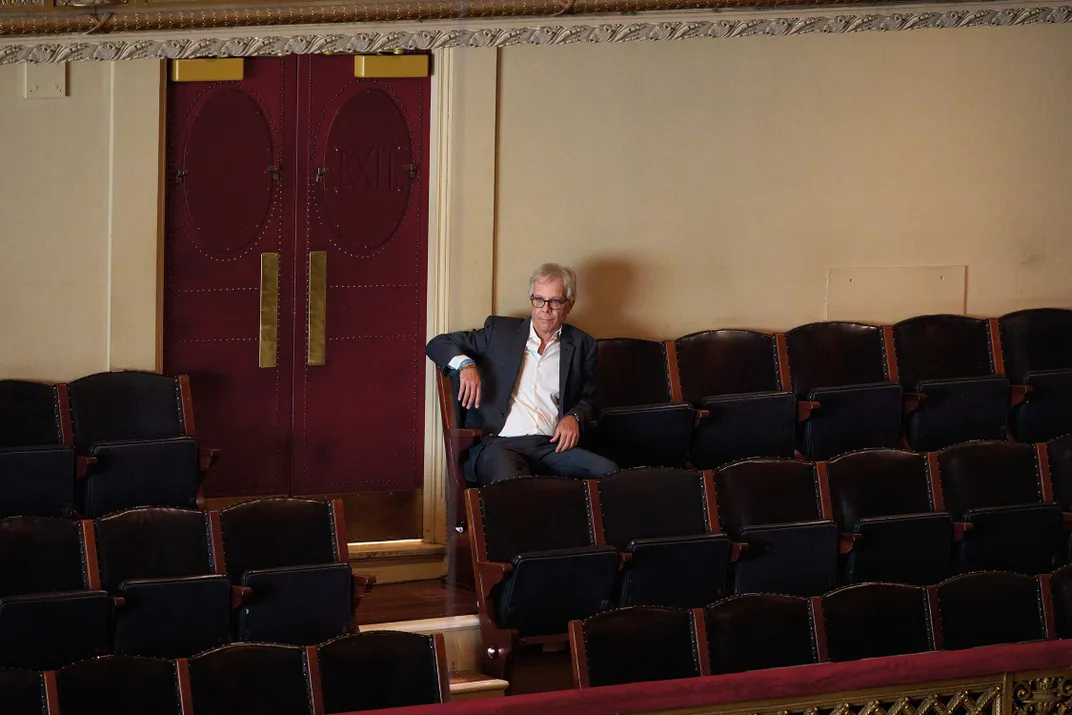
(268,335)
(316,353)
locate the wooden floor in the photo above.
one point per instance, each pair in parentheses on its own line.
(414,600)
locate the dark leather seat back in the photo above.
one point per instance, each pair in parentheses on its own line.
(984,474)
(378,669)
(757,631)
(153,543)
(1036,340)
(989,607)
(22,692)
(40,555)
(123,406)
(650,502)
(535,514)
(1059,451)
(877,482)
(726,362)
(638,644)
(835,354)
(933,347)
(1061,593)
(29,415)
(632,372)
(272,533)
(872,620)
(766,491)
(119,685)
(250,679)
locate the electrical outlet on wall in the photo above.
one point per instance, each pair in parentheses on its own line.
(44,80)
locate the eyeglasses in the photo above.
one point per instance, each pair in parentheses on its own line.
(556,303)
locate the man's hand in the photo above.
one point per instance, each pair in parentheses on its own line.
(469,387)
(567,433)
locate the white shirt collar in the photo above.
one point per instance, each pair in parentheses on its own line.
(534,336)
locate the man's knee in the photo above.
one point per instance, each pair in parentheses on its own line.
(601,466)
(589,464)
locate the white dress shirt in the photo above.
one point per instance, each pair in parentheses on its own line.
(533,407)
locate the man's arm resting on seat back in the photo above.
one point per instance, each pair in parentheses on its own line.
(452,351)
(449,350)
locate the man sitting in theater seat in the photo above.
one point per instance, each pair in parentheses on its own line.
(529,383)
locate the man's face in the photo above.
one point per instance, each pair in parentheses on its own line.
(546,319)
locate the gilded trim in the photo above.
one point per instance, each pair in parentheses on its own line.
(438,35)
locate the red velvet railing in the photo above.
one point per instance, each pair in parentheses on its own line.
(796,682)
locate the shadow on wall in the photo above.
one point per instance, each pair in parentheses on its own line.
(609,295)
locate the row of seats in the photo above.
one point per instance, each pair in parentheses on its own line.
(826,388)
(103,443)
(167,582)
(867,620)
(547,550)
(365,671)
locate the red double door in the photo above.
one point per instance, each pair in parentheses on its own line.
(295,274)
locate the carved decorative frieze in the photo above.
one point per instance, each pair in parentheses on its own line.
(1042,696)
(190,45)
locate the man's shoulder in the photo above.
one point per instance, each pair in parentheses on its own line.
(504,322)
(576,333)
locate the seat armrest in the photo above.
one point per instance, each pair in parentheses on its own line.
(85,465)
(736,549)
(960,528)
(464,438)
(118,604)
(805,408)
(489,574)
(240,596)
(624,557)
(206,458)
(846,540)
(1066,521)
(1019,394)
(362,585)
(701,415)
(913,401)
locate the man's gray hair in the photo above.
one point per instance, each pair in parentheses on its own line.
(562,273)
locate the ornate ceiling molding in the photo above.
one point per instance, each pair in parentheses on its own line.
(425,36)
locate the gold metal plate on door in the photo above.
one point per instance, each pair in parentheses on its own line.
(227,69)
(268,336)
(318,300)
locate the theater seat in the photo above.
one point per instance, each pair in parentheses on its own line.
(772,507)
(252,679)
(639,423)
(757,631)
(995,489)
(946,366)
(288,555)
(382,669)
(175,600)
(119,685)
(134,427)
(51,611)
(734,376)
(661,517)
(37,459)
(638,644)
(873,620)
(840,374)
(881,502)
(990,607)
(1037,348)
(22,692)
(535,573)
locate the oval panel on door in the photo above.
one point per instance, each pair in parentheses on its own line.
(368,157)
(228,185)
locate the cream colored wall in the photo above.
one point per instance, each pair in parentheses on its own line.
(707,183)
(78,235)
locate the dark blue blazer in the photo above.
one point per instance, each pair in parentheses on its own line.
(498,349)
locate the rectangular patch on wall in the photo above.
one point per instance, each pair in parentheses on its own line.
(890,294)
